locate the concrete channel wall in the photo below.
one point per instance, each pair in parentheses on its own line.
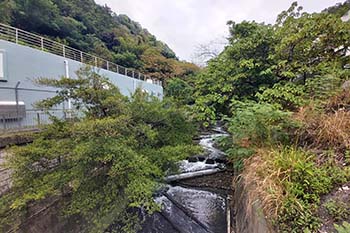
(249,217)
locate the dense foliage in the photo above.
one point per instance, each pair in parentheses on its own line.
(279,89)
(92,28)
(111,159)
(181,91)
(273,62)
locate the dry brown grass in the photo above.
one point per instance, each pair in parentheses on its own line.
(338,101)
(329,127)
(324,131)
(262,182)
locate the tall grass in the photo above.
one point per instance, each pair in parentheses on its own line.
(288,183)
(324,130)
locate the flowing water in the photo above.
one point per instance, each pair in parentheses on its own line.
(191,210)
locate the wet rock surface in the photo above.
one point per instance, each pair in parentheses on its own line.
(219,181)
(195,204)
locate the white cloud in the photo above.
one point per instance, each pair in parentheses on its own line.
(184,24)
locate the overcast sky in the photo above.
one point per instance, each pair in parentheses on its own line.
(185,24)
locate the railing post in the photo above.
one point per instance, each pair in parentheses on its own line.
(133,74)
(95,61)
(107,65)
(16,96)
(4,121)
(81,56)
(38,118)
(126,71)
(42,43)
(16,36)
(117,69)
(64,51)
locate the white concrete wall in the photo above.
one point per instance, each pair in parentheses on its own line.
(24,64)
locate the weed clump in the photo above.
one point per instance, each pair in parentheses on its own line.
(337,209)
(289,184)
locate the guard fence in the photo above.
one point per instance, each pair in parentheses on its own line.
(34,119)
(22,37)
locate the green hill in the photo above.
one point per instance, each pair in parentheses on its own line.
(87,26)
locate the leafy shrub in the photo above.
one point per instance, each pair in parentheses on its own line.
(284,96)
(347,157)
(237,155)
(322,87)
(180,90)
(289,185)
(256,124)
(297,217)
(259,124)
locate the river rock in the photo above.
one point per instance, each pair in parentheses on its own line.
(220,160)
(201,158)
(193,159)
(210,161)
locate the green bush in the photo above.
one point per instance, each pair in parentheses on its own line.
(337,209)
(287,96)
(297,217)
(304,182)
(255,125)
(347,157)
(322,87)
(180,91)
(260,124)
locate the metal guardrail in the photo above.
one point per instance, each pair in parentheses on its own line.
(22,37)
(34,119)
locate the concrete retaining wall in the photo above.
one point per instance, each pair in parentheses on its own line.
(249,218)
(24,64)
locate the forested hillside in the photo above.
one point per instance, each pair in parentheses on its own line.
(339,9)
(89,27)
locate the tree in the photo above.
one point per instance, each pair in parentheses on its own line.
(6,11)
(238,72)
(310,44)
(299,47)
(107,162)
(180,90)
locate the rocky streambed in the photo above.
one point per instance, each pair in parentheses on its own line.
(196,199)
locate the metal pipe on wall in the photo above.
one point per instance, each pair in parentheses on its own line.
(66,74)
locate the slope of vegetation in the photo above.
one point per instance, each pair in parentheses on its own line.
(107,162)
(92,28)
(282,91)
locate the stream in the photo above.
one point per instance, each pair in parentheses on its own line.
(190,209)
